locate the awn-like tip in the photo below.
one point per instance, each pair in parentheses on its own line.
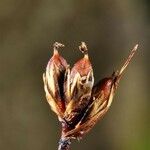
(56,46)
(83,48)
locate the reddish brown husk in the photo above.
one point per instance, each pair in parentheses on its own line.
(81,78)
(71,94)
(53,81)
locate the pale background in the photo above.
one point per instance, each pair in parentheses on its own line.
(111,28)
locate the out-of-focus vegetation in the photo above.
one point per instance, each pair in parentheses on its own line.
(110,28)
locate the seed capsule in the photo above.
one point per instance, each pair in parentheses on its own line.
(72,96)
(81,82)
(100,102)
(54,79)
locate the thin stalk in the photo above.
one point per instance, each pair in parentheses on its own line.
(64,143)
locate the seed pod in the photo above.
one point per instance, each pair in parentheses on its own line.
(80,84)
(53,81)
(71,94)
(100,102)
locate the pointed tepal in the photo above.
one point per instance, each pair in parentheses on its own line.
(53,81)
(81,83)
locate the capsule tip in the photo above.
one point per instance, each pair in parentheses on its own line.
(129,59)
(117,75)
(83,48)
(136,46)
(56,46)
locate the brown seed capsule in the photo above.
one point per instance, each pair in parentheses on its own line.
(73,98)
(80,83)
(54,79)
(100,102)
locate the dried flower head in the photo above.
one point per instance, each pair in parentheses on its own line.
(72,95)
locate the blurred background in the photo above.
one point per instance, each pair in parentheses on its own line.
(110,28)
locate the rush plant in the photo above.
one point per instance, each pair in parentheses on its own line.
(74,98)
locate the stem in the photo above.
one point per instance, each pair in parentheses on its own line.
(64,143)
